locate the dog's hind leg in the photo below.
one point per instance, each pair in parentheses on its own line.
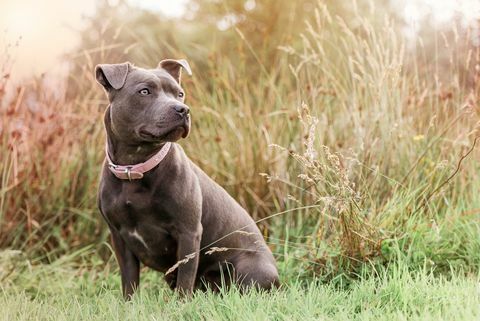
(252,270)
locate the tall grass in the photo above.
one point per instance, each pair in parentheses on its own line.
(384,150)
(372,151)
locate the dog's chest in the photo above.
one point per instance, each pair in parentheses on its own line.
(132,204)
(137,213)
(153,245)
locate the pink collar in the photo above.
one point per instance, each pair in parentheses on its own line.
(136,171)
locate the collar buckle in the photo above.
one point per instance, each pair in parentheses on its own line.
(128,172)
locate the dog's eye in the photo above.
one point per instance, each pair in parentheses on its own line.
(144,92)
(181,94)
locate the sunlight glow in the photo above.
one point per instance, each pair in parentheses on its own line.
(169,8)
(21,19)
(441,10)
(38,32)
(44,30)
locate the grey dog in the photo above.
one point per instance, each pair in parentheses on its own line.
(162,209)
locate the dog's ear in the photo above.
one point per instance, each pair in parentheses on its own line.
(112,75)
(174,67)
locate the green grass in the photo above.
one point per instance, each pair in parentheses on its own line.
(61,291)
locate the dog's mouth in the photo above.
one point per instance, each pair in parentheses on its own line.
(171,135)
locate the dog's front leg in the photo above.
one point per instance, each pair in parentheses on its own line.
(129,266)
(189,250)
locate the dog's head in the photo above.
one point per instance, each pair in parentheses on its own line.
(146,105)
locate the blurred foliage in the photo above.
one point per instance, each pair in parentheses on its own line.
(385,126)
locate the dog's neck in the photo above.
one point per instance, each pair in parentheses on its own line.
(126,153)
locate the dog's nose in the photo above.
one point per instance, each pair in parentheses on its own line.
(182,110)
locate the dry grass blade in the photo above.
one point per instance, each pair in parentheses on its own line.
(180,262)
(215,249)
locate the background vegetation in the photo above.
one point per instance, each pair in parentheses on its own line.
(352,145)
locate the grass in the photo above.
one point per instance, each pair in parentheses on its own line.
(65,292)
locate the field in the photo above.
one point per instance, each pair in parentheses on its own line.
(60,293)
(353,146)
